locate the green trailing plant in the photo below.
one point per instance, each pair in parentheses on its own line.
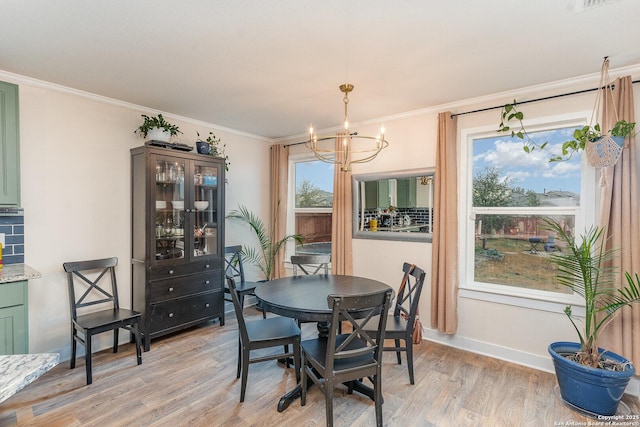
(215,149)
(584,269)
(510,115)
(264,257)
(156,122)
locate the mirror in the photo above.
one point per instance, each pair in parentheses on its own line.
(394,205)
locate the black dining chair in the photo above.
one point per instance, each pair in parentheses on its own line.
(260,334)
(234,269)
(341,358)
(87,275)
(310,264)
(401,323)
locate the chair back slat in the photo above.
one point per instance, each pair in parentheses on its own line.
(409,296)
(237,307)
(357,310)
(96,291)
(311,264)
(233,262)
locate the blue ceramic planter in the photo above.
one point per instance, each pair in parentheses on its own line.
(597,391)
(203,147)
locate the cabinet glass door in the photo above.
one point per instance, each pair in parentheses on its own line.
(205,209)
(170,208)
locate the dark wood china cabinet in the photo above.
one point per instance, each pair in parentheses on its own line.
(177,239)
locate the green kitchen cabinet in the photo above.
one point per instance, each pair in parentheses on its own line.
(9,146)
(14,336)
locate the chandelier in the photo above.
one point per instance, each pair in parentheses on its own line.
(354,148)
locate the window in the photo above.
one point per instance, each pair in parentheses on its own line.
(312,203)
(509,194)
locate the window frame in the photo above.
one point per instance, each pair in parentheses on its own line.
(584,217)
(291,200)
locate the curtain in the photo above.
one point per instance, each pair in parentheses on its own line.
(444,259)
(341,219)
(619,214)
(278,208)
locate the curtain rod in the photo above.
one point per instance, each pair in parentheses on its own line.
(546,98)
(534,100)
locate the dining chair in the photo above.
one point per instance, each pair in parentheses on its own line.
(234,268)
(87,276)
(310,264)
(400,324)
(260,334)
(347,357)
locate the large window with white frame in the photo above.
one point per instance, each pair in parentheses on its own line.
(310,203)
(505,245)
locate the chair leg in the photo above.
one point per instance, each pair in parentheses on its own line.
(245,372)
(87,356)
(377,390)
(138,343)
(74,346)
(398,352)
(410,359)
(239,358)
(303,380)
(115,339)
(328,398)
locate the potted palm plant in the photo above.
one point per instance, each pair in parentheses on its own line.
(157,129)
(590,378)
(265,257)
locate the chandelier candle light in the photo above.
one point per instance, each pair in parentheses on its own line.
(355,148)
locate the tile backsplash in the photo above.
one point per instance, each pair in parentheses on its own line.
(13,228)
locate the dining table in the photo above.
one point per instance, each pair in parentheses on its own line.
(305,298)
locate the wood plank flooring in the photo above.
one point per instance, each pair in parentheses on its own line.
(190,379)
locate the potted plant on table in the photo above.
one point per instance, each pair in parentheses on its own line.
(590,378)
(157,129)
(265,257)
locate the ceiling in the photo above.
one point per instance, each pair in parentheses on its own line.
(272,67)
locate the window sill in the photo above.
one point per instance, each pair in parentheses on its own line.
(525,298)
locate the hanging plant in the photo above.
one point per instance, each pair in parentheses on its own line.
(602,150)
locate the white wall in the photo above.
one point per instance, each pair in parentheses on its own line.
(75,184)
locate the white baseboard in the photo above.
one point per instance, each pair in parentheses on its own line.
(542,363)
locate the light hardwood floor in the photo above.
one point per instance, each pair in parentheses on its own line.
(190,379)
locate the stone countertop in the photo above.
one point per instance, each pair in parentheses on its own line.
(19,370)
(17,272)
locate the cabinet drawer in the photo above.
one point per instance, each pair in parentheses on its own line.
(12,294)
(184,269)
(162,290)
(168,314)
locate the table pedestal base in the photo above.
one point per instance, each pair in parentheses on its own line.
(294,394)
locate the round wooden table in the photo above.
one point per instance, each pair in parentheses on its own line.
(305,298)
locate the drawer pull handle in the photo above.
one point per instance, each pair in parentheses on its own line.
(170,314)
(206,266)
(206,305)
(170,271)
(206,282)
(170,289)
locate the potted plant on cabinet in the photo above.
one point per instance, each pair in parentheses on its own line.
(590,378)
(211,146)
(157,129)
(265,257)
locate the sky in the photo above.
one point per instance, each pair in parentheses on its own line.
(317,172)
(531,171)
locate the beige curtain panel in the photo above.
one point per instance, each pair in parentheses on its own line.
(619,214)
(341,230)
(444,261)
(279,180)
